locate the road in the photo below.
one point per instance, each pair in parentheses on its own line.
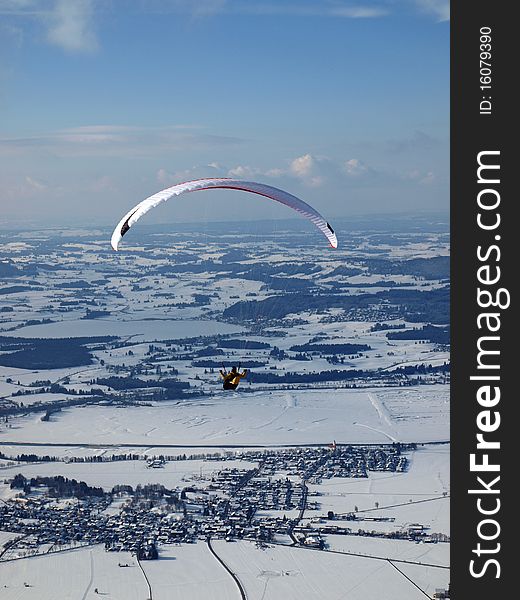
(241,588)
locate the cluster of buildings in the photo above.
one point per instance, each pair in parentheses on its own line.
(262,503)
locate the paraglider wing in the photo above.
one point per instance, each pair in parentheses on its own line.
(262,189)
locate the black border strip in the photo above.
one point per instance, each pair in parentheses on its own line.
(474,131)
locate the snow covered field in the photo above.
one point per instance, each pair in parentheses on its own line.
(132,472)
(73,575)
(298,573)
(192,573)
(259,418)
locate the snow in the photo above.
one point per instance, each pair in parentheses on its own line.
(72,575)
(296,573)
(131,472)
(258,418)
(189,572)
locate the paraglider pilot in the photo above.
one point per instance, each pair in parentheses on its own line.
(232,378)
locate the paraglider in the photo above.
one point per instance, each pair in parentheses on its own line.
(261,189)
(232,378)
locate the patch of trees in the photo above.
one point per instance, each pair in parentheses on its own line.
(201,299)
(96,314)
(234,255)
(53,355)
(243,344)
(346,271)
(77,284)
(213,364)
(386,326)
(331,348)
(430,333)
(30,458)
(301,356)
(278,354)
(59,486)
(14,289)
(289,284)
(208,351)
(47,353)
(37,322)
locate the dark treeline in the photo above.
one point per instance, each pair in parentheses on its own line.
(47,353)
(77,284)
(59,486)
(430,333)
(56,388)
(413,305)
(331,348)
(345,271)
(290,284)
(346,375)
(214,364)
(14,289)
(243,344)
(95,314)
(50,356)
(208,351)
(112,457)
(386,326)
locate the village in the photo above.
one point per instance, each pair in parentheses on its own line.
(268,504)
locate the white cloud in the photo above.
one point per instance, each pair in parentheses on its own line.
(354,167)
(34,184)
(70,26)
(428,179)
(275,172)
(421,177)
(243,171)
(359,12)
(213,169)
(113,140)
(302,166)
(105,183)
(440,9)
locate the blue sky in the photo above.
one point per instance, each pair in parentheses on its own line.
(104,102)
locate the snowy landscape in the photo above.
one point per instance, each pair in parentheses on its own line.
(127,471)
